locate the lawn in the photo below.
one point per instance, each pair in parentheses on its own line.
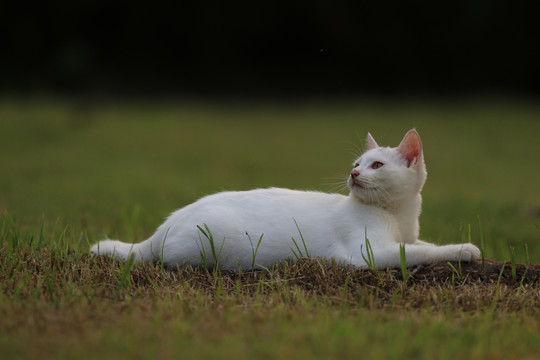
(74,172)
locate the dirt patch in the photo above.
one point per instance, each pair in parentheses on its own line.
(489,272)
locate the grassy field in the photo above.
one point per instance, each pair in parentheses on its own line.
(74,172)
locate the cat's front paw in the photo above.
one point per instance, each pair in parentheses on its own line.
(469,252)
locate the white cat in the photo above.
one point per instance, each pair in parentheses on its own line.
(263,226)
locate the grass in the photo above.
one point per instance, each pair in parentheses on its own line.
(71,305)
(369,258)
(403,262)
(298,254)
(254,250)
(215,256)
(75,172)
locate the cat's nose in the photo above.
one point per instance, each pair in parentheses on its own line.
(355,173)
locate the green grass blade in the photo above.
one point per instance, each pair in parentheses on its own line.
(302,238)
(369,258)
(403,262)
(124,273)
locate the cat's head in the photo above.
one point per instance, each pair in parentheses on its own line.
(385,176)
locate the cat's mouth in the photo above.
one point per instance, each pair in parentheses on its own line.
(354,183)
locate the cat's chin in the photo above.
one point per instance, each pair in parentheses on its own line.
(365,194)
(358,190)
(357,186)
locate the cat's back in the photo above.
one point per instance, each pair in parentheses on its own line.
(272,202)
(259,208)
(270,197)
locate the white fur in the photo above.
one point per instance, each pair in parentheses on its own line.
(384,203)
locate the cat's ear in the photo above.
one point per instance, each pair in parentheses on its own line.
(371,143)
(411,147)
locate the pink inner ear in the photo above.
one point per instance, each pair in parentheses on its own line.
(411,147)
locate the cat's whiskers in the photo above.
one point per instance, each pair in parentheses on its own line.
(339,186)
(356,151)
(385,194)
(340,189)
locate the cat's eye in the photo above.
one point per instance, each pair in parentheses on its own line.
(377,165)
(356,165)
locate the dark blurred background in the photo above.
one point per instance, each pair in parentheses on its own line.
(268,48)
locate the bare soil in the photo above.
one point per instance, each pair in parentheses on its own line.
(491,272)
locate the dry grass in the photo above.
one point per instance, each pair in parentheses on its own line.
(54,277)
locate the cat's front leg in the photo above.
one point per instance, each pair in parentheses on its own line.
(424,254)
(420,242)
(469,252)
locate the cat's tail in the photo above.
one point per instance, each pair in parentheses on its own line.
(122,250)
